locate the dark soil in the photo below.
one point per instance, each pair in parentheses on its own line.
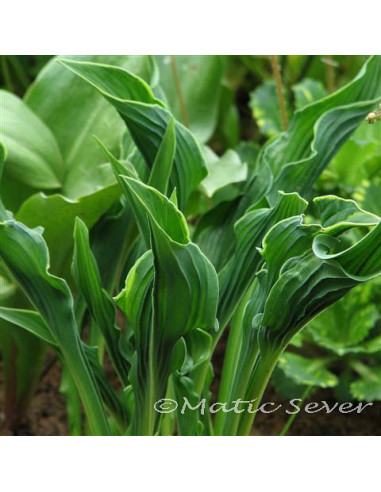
(367,423)
(47,415)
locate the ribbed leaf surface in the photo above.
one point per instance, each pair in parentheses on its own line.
(147,119)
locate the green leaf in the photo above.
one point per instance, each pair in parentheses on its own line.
(3,213)
(215,230)
(86,274)
(309,283)
(7,289)
(26,255)
(310,372)
(368,388)
(147,120)
(225,172)
(56,214)
(199,78)
(162,165)
(198,346)
(182,273)
(317,131)
(350,164)
(370,196)
(135,299)
(338,214)
(74,113)
(33,154)
(308,91)
(344,325)
(265,106)
(240,271)
(170,292)
(30,321)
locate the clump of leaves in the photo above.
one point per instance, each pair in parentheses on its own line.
(251,261)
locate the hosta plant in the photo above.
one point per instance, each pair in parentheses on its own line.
(155,292)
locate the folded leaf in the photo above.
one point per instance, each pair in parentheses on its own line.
(74,112)
(240,271)
(318,130)
(170,292)
(147,120)
(87,277)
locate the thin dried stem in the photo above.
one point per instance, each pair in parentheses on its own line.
(279,86)
(183,108)
(330,73)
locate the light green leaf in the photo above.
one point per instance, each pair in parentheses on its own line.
(310,372)
(368,388)
(350,164)
(199,78)
(265,106)
(135,299)
(348,322)
(56,214)
(223,171)
(74,113)
(33,157)
(162,165)
(30,321)
(308,91)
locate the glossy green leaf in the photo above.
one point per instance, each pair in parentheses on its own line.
(182,272)
(171,291)
(214,231)
(309,283)
(135,299)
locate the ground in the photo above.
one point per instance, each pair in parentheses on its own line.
(47,415)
